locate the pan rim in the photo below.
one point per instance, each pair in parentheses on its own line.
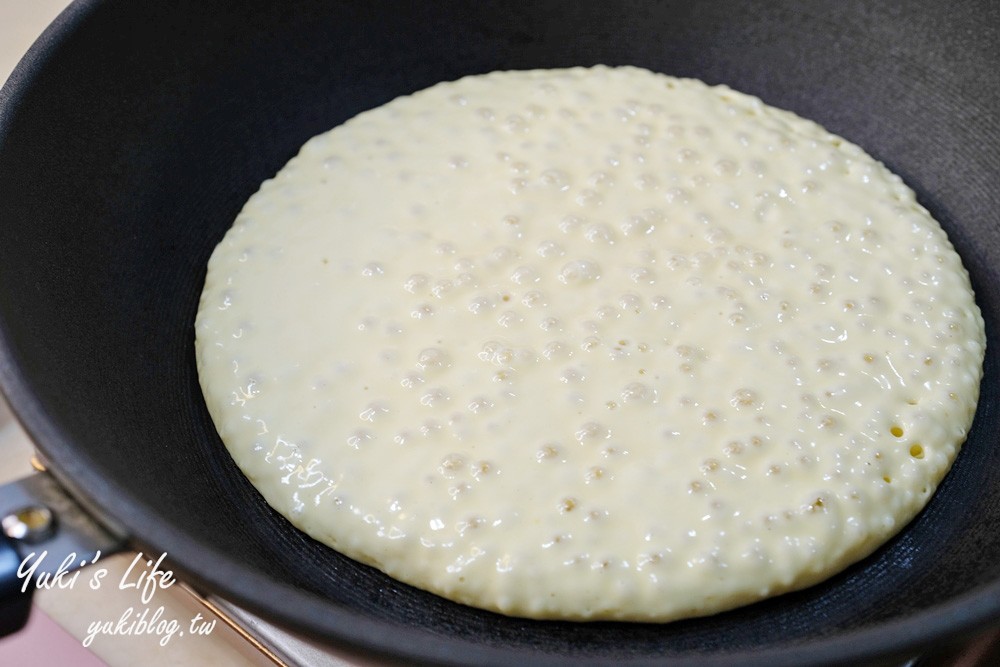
(341,627)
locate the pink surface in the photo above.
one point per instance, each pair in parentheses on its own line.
(43,643)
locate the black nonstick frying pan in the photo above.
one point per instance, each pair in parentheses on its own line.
(132,134)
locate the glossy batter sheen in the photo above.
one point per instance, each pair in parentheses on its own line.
(590,343)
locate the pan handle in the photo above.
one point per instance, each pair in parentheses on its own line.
(46,536)
(14,605)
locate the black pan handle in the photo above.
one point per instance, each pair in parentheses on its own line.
(15,605)
(46,535)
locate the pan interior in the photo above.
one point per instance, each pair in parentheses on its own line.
(133,136)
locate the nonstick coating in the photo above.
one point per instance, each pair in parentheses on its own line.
(133,133)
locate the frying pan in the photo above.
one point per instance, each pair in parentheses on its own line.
(132,133)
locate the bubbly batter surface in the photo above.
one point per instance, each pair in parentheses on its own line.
(590,343)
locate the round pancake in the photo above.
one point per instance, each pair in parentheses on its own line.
(590,344)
